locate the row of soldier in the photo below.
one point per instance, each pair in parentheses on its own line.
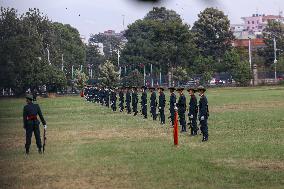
(129,97)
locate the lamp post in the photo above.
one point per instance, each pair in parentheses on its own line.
(275,59)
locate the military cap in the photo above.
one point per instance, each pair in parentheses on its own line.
(144,87)
(192,89)
(152,88)
(161,88)
(29,96)
(172,88)
(201,88)
(180,89)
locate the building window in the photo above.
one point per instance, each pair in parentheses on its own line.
(252,22)
(248,22)
(257,22)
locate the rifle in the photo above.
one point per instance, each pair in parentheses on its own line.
(44,140)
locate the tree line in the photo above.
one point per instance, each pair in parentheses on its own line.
(35,51)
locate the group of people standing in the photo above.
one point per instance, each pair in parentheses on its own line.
(129,96)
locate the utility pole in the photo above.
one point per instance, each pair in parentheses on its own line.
(47,49)
(144,75)
(275,59)
(123,17)
(250,61)
(62,63)
(152,81)
(160,78)
(72,71)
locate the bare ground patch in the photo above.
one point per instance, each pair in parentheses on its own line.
(246,106)
(273,165)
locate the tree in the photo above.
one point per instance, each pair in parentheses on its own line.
(180,75)
(108,76)
(110,43)
(203,67)
(80,79)
(239,69)
(212,35)
(135,78)
(93,57)
(23,51)
(160,39)
(274,29)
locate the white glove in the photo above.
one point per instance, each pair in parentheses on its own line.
(191,116)
(159,108)
(202,118)
(176,108)
(45,126)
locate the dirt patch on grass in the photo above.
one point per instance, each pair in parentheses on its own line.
(273,165)
(246,106)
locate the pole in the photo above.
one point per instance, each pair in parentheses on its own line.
(152,81)
(144,75)
(91,71)
(125,70)
(176,129)
(119,73)
(275,59)
(123,17)
(62,63)
(250,61)
(160,78)
(81,68)
(72,70)
(48,60)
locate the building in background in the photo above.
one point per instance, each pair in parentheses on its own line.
(253,26)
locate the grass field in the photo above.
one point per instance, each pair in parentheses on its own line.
(89,146)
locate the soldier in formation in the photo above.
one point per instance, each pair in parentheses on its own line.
(108,97)
(135,101)
(193,111)
(153,103)
(162,104)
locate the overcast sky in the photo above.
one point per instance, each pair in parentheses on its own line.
(100,15)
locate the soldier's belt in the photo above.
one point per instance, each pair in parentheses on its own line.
(31,117)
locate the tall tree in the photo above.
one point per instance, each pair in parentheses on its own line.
(274,29)
(212,35)
(108,75)
(160,39)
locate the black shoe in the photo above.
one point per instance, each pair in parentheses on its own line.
(27,151)
(39,151)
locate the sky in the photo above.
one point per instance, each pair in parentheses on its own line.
(101,15)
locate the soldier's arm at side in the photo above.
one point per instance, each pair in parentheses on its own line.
(24,118)
(41,116)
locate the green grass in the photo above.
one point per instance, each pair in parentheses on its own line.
(89,146)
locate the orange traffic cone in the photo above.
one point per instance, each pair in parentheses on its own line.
(176,129)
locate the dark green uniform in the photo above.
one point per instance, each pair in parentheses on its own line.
(192,114)
(153,104)
(162,103)
(144,104)
(203,116)
(134,102)
(128,102)
(181,112)
(31,124)
(172,107)
(121,101)
(113,100)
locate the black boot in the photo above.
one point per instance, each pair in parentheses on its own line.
(27,151)
(39,151)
